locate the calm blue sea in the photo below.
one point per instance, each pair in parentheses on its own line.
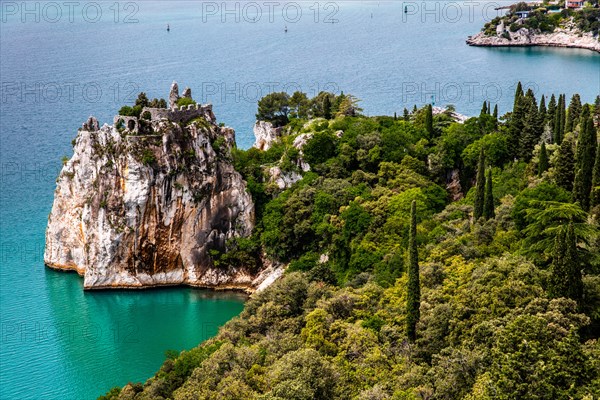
(61,63)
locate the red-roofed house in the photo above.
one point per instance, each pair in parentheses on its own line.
(574,3)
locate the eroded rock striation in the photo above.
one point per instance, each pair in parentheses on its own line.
(144,202)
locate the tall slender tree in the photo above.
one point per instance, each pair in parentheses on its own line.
(531,132)
(551,112)
(595,196)
(429,120)
(480,187)
(565,278)
(565,165)
(484,109)
(563,116)
(542,115)
(518,94)
(495,112)
(531,96)
(516,124)
(413,298)
(488,202)
(406,114)
(543,109)
(327,107)
(543,161)
(559,120)
(584,160)
(573,113)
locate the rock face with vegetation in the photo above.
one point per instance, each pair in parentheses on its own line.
(543,25)
(527,37)
(398,288)
(150,201)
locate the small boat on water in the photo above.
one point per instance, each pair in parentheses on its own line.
(168,28)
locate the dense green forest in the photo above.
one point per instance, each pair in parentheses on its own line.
(428,259)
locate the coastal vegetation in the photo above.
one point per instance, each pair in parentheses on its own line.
(427,259)
(548,16)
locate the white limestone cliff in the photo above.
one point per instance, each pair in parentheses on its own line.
(142,208)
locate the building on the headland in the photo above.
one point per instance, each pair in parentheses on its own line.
(574,3)
(522,14)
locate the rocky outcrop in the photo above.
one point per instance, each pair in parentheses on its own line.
(137,210)
(284,179)
(266,134)
(173,95)
(526,37)
(460,118)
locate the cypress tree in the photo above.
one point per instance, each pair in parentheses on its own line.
(518,95)
(542,111)
(517,122)
(488,203)
(557,269)
(597,108)
(542,115)
(327,107)
(496,112)
(480,187)
(484,109)
(565,165)
(585,158)
(406,114)
(551,111)
(531,134)
(429,120)
(573,113)
(563,116)
(565,278)
(595,196)
(395,116)
(413,298)
(543,162)
(531,95)
(559,120)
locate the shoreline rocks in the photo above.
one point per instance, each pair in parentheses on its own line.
(527,38)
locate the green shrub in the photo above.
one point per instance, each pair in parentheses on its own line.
(148,157)
(185,101)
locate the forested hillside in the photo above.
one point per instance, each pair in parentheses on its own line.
(428,259)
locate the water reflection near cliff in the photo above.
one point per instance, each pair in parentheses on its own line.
(99,339)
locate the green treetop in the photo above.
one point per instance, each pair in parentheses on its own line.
(573,113)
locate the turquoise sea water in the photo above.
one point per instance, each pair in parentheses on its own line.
(61,343)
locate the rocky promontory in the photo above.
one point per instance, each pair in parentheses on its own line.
(530,37)
(148,201)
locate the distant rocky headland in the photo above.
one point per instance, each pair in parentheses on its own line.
(554,24)
(151,201)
